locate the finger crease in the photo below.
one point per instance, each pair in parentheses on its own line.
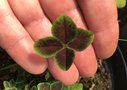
(33,22)
(15,43)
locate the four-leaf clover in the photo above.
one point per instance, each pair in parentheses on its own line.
(66,38)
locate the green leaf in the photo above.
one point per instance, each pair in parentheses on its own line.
(76,86)
(33,88)
(64,58)
(12,82)
(10,85)
(14,88)
(64,29)
(43,86)
(121,3)
(6,84)
(83,39)
(27,87)
(48,46)
(56,86)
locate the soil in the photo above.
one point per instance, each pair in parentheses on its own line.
(101,80)
(10,70)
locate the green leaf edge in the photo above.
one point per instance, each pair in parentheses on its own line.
(88,43)
(40,52)
(43,84)
(59,19)
(6,84)
(64,69)
(34,88)
(14,88)
(72,86)
(9,85)
(55,83)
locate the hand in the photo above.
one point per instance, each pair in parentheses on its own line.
(24,21)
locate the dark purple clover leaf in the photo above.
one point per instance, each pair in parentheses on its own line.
(64,29)
(48,46)
(66,38)
(83,39)
(64,58)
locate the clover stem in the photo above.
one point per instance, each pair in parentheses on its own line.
(125,40)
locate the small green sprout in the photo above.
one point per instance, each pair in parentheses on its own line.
(121,3)
(10,85)
(66,38)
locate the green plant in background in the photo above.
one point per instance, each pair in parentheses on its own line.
(66,39)
(121,3)
(48,83)
(11,85)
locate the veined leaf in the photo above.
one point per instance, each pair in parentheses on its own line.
(83,39)
(64,58)
(66,38)
(64,29)
(48,46)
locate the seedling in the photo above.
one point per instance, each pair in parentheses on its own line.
(65,40)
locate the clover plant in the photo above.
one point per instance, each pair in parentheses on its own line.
(11,85)
(65,40)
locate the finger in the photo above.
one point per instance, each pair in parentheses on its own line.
(68,7)
(67,77)
(32,17)
(38,29)
(17,42)
(86,62)
(101,17)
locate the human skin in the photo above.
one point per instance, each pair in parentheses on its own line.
(22,22)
